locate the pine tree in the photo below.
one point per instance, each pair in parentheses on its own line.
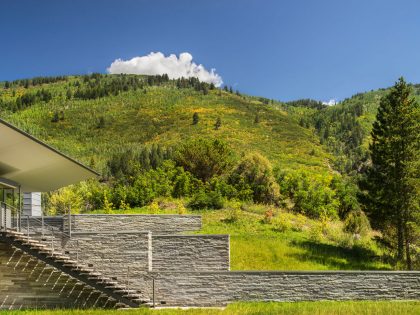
(392,183)
(55,118)
(69,94)
(101,123)
(195,118)
(218,124)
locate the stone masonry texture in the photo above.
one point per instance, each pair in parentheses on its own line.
(220,288)
(192,252)
(140,223)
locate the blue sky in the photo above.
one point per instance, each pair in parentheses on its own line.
(325,49)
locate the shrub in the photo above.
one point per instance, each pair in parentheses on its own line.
(268,216)
(184,183)
(346,192)
(281,223)
(204,158)
(220,185)
(310,193)
(316,232)
(108,205)
(206,200)
(357,223)
(65,199)
(300,223)
(234,213)
(254,172)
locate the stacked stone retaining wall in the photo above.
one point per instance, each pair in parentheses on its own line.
(169,224)
(220,288)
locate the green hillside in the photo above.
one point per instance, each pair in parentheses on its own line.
(344,129)
(162,114)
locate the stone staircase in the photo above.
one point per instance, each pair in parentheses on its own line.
(120,296)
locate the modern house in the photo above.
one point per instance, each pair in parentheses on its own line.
(119,261)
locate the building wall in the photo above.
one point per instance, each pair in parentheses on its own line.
(220,288)
(32,204)
(139,223)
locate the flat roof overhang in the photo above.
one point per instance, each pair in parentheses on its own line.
(34,165)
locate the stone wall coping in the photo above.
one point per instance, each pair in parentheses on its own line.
(133,214)
(153,235)
(287,272)
(108,232)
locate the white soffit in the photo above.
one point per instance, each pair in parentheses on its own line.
(35,165)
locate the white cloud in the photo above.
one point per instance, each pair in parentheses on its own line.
(331,102)
(175,67)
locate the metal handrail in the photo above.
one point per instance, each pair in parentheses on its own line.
(153,288)
(9,206)
(54,231)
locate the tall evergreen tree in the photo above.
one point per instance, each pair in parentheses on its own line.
(195,118)
(218,123)
(392,183)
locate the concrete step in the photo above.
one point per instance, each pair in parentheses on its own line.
(14,232)
(133,296)
(39,246)
(127,291)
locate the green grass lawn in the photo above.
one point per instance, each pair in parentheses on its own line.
(304,308)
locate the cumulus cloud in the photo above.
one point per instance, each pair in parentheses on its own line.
(175,67)
(331,102)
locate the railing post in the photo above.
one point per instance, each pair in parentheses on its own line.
(42,224)
(27,226)
(2,225)
(69,218)
(128,271)
(153,288)
(77,252)
(52,239)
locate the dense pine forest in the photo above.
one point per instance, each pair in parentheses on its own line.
(184,142)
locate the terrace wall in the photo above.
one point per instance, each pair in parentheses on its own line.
(163,224)
(220,288)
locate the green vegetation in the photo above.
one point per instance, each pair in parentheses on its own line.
(392,182)
(297,308)
(184,141)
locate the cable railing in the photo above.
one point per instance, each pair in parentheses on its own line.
(59,240)
(36,226)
